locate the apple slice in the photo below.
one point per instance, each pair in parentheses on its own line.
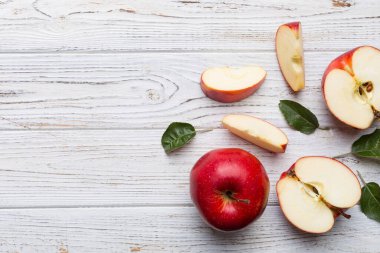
(289,49)
(351,87)
(227,84)
(257,131)
(316,190)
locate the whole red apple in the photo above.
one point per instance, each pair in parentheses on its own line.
(229,187)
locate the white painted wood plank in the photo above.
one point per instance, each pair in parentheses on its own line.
(171,229)
(129,167)
(127,25)
(141,90)
(126,168)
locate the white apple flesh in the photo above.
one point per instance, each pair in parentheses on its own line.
(351,87)
(257,131)
(227,84)
(315,190)
(289,49)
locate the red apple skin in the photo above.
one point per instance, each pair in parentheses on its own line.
(285,174)
(343,62)
(295,27)
(229,169)
(230,96)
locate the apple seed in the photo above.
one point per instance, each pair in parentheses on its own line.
(314,193)
(376,112)
(369,86)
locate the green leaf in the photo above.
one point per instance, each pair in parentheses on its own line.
(177,135)
(298,117)
(370,200)
(367,145)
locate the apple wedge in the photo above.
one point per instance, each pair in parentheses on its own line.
(351,87)
(257,131)
(289,50)
(227,84)
(316,190)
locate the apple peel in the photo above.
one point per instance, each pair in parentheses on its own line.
(315,191)
(289,51)
(351,87)
(257,131)
(228,84)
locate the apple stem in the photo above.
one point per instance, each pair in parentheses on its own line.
(324,128)
(340,211)
(230,195)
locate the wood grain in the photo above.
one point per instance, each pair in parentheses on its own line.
(171,229)
(119,25)
(88,87)
(129,167)
(55,91)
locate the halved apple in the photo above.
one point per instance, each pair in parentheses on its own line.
(257,131)
(316,190)
(289,49)
(351,87)
(227,84)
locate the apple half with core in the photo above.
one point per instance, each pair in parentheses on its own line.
(315,191)
(228,84)
(257,131)
(289,49)
(351,87)
(229,187)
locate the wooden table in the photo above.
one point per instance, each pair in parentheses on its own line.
(88,87)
